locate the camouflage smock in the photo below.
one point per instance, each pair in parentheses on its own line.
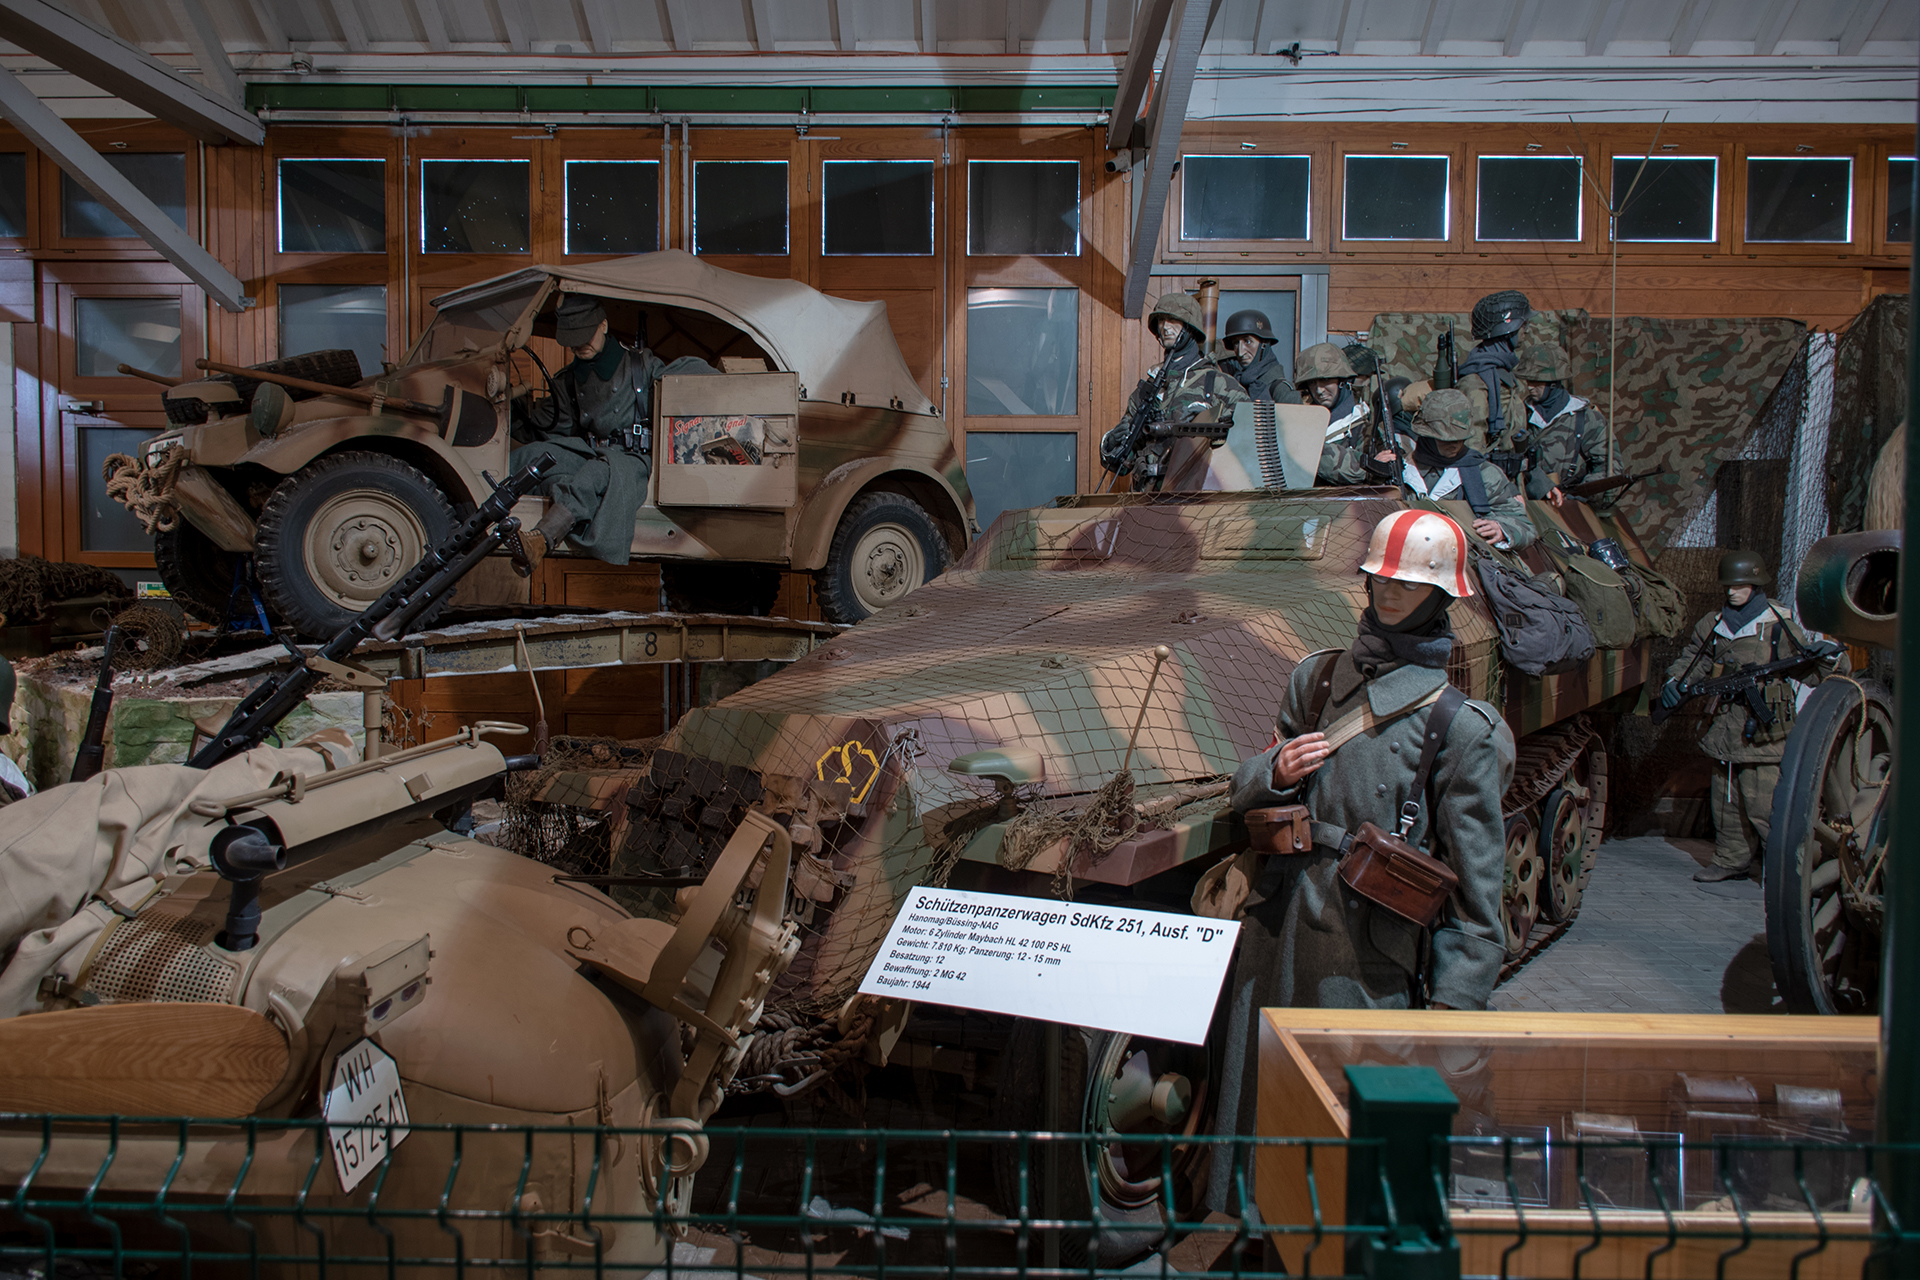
(1202,392)
(1513,399)
(1566,449)
(1504,507)
(1773,633)
(1349,443)
(1332,948)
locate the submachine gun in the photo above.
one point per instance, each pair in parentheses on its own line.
(489,528)
(1140,448)
(1746,683)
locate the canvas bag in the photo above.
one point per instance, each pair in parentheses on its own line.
(1601,594)
(1541,631)
(1658,603)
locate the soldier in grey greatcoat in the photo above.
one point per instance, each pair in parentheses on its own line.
(1308,940)
(595,427)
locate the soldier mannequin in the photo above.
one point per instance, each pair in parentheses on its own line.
(1198,389)
(1486,375)
(591,426)
(1326,379)
(1441,466)
(1308,940)
(1564,439)
(1249,336)
(1750,628)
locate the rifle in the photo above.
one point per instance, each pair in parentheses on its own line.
(1745,684)
(1134,427)
(487,529)
(1446,365)
(93,750)
(1591,489)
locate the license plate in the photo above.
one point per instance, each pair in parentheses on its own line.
(363,1101)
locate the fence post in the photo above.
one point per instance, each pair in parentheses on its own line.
(1898,1119)
(1410,1110)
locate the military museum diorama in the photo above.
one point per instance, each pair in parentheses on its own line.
(748,642)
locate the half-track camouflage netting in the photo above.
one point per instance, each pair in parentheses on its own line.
(1038,649)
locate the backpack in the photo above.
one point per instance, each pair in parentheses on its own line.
(1656,600)
(1541,632)
(1602,596)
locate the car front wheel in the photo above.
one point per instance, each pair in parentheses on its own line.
(885,547)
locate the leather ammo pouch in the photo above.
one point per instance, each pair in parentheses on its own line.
(1390,873)
(1384,867)
(1280,829)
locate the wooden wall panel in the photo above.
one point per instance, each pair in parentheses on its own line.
(604,702)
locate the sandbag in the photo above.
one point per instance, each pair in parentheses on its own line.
(1541,631)
(1602,597)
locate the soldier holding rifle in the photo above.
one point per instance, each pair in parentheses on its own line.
(1753,636)
(1188,386)
(1562,440)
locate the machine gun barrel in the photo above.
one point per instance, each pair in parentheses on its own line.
(93,748)
(424,584)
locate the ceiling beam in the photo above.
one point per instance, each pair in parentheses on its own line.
(1866,16)
(216,73)
(1686,30)
(1606,25)
(433,24)
(1266,28)
(90,169)
(1439,15)
(353,29)
(1143,46)
(1153,177)
(513,17)
(1013,27)
(1772,24)
(1352,14)
(762,26)
(1097,26)
(929,35)
(1526,16)
(126,72)
(680,18)
(843,18)
(273,32)
(599,24)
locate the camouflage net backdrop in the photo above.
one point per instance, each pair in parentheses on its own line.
(29,584)
(1869,400)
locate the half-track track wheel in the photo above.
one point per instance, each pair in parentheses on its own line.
(197,573)
(885,547)
(1115,1084)
(1825,865)
(336,534)
(1572,818)
(1521,890)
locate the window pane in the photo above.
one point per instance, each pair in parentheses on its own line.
(325,317)
(1800,201)
(141,332)
(1023,350)
(161,177)
(613,206)
(1528,198)
(13,195)
(1014,470)
(1900,200)
(105,525)
(740,206)
(1023,207)
(1672,200)
(877,206)
(473,206)
(1395,198)
(1277,305)
(1244,197)
(333,206)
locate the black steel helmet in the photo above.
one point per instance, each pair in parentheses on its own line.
(1499,314)
(1742,569)
(1248,324)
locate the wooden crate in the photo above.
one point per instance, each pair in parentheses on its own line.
(1532,1072)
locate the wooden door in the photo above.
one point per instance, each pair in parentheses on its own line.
(97,317)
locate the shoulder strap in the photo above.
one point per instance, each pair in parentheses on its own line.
(1474,485)
(1449,702)
(1496,415)
(1322,690)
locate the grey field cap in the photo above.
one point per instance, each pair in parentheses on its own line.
(576,318)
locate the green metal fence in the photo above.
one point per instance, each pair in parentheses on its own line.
(128,1197)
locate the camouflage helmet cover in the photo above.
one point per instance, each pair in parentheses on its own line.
(1445,414)
(1322,360)
(1175,305)
(1499,314)
(1742,569)
(1420,546)
(1248,324)
(1361,357)
(1543,362)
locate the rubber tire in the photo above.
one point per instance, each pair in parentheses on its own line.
(1791,945)
(198,574)
(293,505)
(834,586)
(703,586)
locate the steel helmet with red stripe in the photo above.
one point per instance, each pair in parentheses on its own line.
(1420,546)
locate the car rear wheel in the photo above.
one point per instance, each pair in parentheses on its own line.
(886,546)
(198,574)
(337,534)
